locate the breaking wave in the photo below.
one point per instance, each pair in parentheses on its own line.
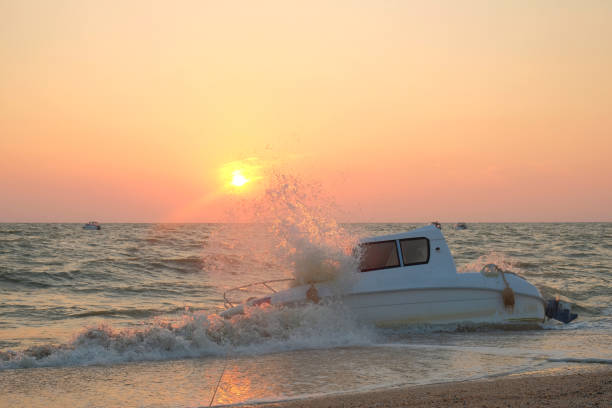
(260,330)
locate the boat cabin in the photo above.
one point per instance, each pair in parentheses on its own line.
(423,246)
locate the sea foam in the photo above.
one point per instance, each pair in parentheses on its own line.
(261,330)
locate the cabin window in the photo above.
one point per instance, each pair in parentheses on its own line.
(379,255)
(415,251)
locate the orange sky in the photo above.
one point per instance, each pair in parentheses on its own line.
(404,111)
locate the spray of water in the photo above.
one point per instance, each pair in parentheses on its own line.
(312,245)
(501,261)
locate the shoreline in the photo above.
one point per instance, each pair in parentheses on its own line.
(591,388)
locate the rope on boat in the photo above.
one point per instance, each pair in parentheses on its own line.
(219,381)
(312,294)
(507,293)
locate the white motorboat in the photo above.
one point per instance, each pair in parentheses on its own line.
(92,225)
(411,278)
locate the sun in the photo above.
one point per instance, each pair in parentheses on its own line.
(238,178)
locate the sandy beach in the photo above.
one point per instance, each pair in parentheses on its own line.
(584,389)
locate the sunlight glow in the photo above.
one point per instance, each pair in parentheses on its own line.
(238,178)
(241,176)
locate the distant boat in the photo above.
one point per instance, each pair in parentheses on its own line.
(460,226)
(92,225)
(437,225)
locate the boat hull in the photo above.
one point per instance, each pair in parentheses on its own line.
(423,306)
(443,306)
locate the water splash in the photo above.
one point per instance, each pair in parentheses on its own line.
(261,330)
(500,260)
(308,239)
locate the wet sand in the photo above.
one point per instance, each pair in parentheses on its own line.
(583,389)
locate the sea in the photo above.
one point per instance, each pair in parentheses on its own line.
(128,315)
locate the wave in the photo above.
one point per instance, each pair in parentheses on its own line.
(23,281)
(261,330)
(148,290)
(587,360)
(192,264)
(126,313)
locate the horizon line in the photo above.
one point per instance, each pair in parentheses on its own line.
(339,222)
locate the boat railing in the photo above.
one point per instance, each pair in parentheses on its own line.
(227,303)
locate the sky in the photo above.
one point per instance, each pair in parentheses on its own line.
(402,111)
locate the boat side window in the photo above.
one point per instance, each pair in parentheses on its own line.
(415,251)
(379,255)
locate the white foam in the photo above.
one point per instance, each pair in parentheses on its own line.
(260,330)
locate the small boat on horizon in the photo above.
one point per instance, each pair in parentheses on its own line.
(411,278)
(460,226)
(92,225)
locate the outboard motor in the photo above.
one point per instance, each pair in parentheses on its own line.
(561,311)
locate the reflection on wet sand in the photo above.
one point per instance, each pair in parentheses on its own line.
(235,386)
